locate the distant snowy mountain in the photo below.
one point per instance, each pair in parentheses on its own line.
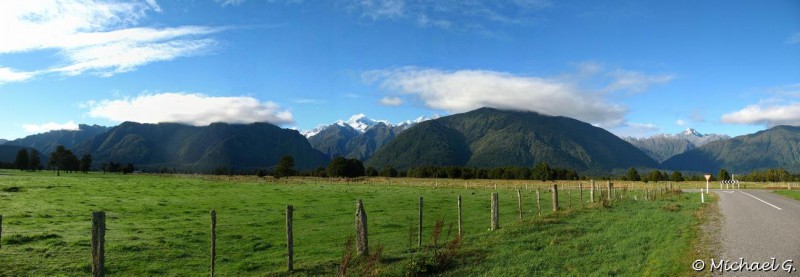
(361,123)
(663,146)
(358,137)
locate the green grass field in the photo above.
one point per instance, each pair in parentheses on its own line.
(794,194)
(161,226)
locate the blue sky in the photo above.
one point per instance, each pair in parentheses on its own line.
(633,67)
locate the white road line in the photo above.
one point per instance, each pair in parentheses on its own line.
(759,199)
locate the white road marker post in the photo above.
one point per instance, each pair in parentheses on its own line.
(708,177)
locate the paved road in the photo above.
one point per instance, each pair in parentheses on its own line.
(758,226)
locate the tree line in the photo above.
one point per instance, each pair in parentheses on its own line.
(63,159)
(341,167)
(28,160)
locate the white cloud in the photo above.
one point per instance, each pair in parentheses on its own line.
(154,5)
(309,101)
(382,8)
(636,130)
(453,15)
(635,81)
(41,128)
(793,39)
(791,90)
(96,36)
(464,90)
(113,58)
(765,113)
(9,75)
(189,108)
(391,101)
(681,122)
(225,3)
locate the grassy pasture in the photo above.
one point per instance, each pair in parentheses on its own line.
(794,194)
(160,226)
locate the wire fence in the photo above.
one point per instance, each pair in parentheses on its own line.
(256,241)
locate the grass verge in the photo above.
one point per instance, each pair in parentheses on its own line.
(794,194)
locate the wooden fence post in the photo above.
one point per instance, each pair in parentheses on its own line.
(538,202)
(98,243)
(580,186)
(495,213)
(213,240)
(362,239)
(609,191)
(519,205)
(591,192)
(290,237)
(419,232)
(555,197)
(460,230)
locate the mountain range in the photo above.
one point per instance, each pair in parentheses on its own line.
(777,147)
(154,146)
(358,137)
(47,142)
(481,138)
(663,146)
(489,137)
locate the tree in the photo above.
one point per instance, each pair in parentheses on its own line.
(354,168)
(723,175)
(371,171)
(389,171)
(285,167)
(35,160)
(633,175)
(453,172)
(86,163)
(676,177)
(320,172)
(341,167)
(542,172)
(337,167)
(114,167)
(22,162)
(128,169)
(71,162)
(655,176)
(58,159)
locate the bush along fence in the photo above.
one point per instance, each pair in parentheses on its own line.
(602,195)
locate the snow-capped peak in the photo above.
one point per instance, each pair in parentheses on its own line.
(315,131)
(692,132)
(361,123)
(417,120)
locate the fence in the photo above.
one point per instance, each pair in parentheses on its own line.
(119,242)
